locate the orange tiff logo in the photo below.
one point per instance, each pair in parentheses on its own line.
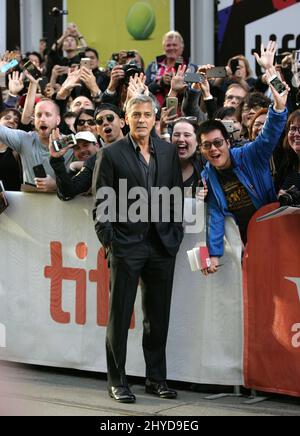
(57,273)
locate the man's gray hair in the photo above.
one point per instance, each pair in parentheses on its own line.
(141,99)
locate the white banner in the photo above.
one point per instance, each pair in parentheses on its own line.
(54,297)
(282,25)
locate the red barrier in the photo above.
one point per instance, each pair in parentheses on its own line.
(272,304)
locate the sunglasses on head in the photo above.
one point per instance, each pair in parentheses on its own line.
(90,122)
(100,120)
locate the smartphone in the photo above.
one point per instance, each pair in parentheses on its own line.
(39,172)
(9,66)
(64,142)
(193,78)
(216,73)
(234,64)
(229,125)
(297,57)
(278,85)
(86,62)
(131,54)
(172,102)
(32,69)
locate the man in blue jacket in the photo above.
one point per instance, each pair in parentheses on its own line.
(239,180)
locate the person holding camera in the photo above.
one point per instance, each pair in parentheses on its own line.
(33,146)
(109,121)
(129,64)
(239,180)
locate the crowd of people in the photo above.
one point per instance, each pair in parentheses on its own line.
(237,136)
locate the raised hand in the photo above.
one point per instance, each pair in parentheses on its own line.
(178,86)
(15,83)
(266,58)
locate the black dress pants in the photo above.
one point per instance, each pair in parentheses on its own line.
(150,262)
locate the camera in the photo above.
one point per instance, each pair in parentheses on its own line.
(291,197)
(65,141)
(56,12)
(229,125)
(130,70)
(129,55)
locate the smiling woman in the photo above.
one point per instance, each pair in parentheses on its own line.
(289,172)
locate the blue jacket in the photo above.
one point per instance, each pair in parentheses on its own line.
(251,166)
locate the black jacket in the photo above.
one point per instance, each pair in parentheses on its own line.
(67,186)
(120,162)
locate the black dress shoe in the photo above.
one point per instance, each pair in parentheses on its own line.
(122,394)
(160,389)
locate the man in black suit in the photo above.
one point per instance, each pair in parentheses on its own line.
(137,246)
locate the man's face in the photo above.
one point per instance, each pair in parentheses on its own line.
(81,103)
(93,58)
(46,119)
(70,44)
(109,126)
(173,48)
(215,149)
(184,138)
(234,97)
(83,150)
(10,120)
(141,120)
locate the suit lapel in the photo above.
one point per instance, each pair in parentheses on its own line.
(130,159)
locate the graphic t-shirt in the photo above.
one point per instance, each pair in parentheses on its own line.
(238,200)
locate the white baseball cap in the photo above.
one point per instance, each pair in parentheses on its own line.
(86,136)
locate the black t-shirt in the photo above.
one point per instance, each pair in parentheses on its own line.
(238,200)
(292,179)
(9,171)
(192,182)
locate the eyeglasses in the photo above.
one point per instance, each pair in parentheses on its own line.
(110,118)
(218,143)
(231,97)
(82,123)
(294,129)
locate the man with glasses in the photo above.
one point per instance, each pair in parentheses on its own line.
(110,122)
(235,95)
(239,179)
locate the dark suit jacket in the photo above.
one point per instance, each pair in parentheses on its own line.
(119,161)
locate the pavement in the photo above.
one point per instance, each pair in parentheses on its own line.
(27,390)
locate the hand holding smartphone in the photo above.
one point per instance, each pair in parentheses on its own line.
(278,85)
(193,78)
(172,102)
(39,172)
(86,62)
(216,73)
(32,70)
